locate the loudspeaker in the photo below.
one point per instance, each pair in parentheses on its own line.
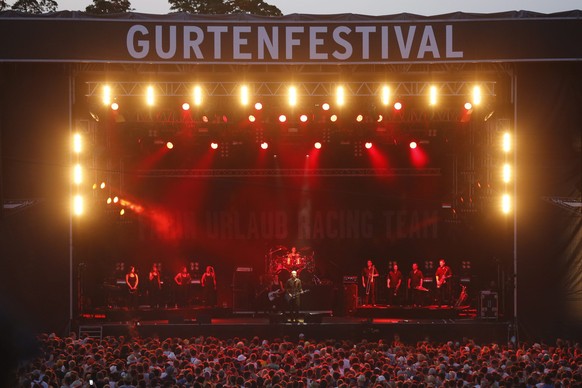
(203,318)
(488,304)
(243,282)
(350,297)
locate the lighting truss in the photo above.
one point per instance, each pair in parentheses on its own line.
(298,172)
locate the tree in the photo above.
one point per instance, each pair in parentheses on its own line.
(35,6)
(222,7)
(3,5)
(108,6)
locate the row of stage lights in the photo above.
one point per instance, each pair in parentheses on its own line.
(506,172)
(386,98)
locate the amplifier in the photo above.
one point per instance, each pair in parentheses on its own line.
(350,280)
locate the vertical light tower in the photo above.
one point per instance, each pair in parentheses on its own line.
(76,205)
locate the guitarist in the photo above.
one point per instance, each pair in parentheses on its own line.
(369,275)
(275,291)
(443,284)
(293,289)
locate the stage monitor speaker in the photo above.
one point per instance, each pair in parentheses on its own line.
(313,318)
(204,318)
(350,297)
(488,305)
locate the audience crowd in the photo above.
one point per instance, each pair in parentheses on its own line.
(124,362)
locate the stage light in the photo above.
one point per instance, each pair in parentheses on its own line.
(368,145)
(204,119)
(78,174)
(432,99)
(114,106)
(106,95)
(505,203)
(115,199)
(317,145)
(325,106)
(102,186)
(380,118)
(385,95)
(292,96)
(150,97)
(252,118)
(282,118)
(340,96)
(122,212)
(244,95)
(169,145)
(258,106)
(476,95)
(303,118)
(468,106)
(506,173)
(214,145)
(109,200)
(398,105)
(359,118)
(224,118)
(333,118)
(506,142)
(197,95)
(185,106)
(77,143)
(78,205)
(264,145)
(412,145)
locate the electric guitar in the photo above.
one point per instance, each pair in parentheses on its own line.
(289,296)
(442,280)
(274,294)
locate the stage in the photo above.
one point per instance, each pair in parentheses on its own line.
(373,323)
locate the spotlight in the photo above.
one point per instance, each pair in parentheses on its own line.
(78,205)
(398,105)
(77,143)
(292,96)
(122,212)
(214,145)
(380,118)
(333,118)
(325,106)
(185,106)
(282,118)
(468,106)
(115,199)
(114,106)
(303,118)
(197,95)
(109,200)
(150,98)
(385,95)
(78,174)
(106,95)
(169,145)
(252,118)
(244,95)
(340,95)
(359,118)
(264,145)
(506,142)
(258,106)
(476,95)
(317,145)
(204,119)
(505,203)
(102,185)
(368,145)
(412,145)
(224,118)
(432,100)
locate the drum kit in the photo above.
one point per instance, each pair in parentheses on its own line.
(282,261)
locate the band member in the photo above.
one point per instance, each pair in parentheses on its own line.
(293,258)
(415,287)
(443,285)
(275,291)
(183,281)
(208,282)
(293,290)
(132,281)
(393,282)
(155,286)
(369,275)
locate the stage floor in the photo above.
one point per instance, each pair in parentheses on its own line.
(378,322)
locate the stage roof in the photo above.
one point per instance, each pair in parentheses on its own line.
(179,38)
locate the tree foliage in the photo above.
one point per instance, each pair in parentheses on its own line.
(108,6)
(35,6)
(222,7)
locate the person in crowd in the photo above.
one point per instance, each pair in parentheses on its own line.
(393,283)
(369,275)
(132,282)
(208,282)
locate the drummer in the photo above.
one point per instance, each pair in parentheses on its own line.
(293,259)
